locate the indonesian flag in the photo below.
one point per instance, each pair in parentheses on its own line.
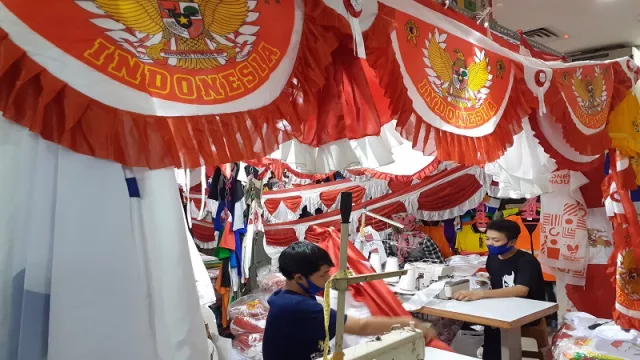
(626,235)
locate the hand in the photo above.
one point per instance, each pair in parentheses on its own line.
(428,331)
(468,295)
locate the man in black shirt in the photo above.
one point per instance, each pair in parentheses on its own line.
(513,272)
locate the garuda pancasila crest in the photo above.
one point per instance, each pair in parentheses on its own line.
(189,33)
(628,276)
(590,91)
(463,85)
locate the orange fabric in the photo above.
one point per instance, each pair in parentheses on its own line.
(524,240)
(292,203)
(226,297)
(48,106)
(228,239)
(436,233)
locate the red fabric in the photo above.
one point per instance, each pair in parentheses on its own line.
(329,197)
(385,211)
(346,108)
(331,218)
(598,286)
(280,237)
(562,161)
(449,194)
(380,300)
(398,184)
(292,203)
(375,294)
(203,231)
(420,175)
(592,191)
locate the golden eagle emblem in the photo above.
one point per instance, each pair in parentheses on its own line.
(590,91)
(628,274)
(196,34)
(463,84)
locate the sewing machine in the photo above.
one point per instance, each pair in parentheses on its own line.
(400,343)
(453,286)
(430,273)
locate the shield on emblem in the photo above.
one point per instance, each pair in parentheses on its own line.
(182,18)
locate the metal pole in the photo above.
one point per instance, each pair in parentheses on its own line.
(341,286)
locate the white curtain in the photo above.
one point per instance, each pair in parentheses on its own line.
(86,271)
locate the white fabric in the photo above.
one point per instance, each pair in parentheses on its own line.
(564,231)
(311,197)
(600,236)
(369,152)
(524,170)
(369,242)
(85,270)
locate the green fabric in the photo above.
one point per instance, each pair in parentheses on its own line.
(220,252)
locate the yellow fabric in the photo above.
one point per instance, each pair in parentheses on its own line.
(508,212)
(624,126)
(468,240)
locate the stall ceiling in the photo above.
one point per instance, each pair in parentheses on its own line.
(579,24)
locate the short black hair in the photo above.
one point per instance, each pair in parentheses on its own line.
(510,229)
(304,258)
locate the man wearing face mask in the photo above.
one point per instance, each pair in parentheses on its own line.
(513,272)
(295,324)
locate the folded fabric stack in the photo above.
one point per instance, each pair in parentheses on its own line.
(248,319)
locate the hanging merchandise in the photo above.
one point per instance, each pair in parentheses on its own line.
(470,241)
(626,235)
(563,231)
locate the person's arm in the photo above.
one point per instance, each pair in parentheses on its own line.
(375,325)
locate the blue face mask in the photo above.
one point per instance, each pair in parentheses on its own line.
(312,289)
(500,250)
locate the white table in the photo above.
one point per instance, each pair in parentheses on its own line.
(507,314)
(437,354)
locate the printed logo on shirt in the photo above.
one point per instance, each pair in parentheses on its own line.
(508,280)
(320,354)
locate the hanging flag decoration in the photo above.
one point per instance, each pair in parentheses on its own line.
(626,235)
(159,83)
(462,90)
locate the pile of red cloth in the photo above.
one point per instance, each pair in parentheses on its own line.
(248,319)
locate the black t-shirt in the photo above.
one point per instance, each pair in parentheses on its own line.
(520,269)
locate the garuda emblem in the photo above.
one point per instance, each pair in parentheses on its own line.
(628,276)
(463,83)
(590,91)
(195,34)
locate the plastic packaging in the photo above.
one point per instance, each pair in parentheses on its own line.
(243,324)
(250,306)
(270,279)
(249,345)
